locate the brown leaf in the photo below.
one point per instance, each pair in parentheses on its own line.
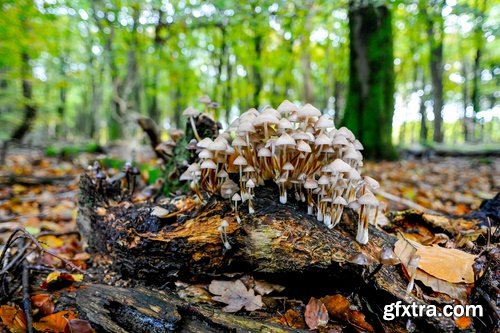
(293,319)
(78,326)
(463,323)
(56,280)
(235,295)
(316,314)
(55,323)
(357,319)
(337,306)
(44,303)
(13,318)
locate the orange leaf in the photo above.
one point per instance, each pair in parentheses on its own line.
(55,323)
(44,303)
(337,306)
(316,314)
(357,319)
(463,323)
(78,326)
(293,319)
(13,318)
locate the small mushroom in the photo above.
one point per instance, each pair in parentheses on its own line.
(223,234)
(412,270)
(236,198)
(191,112)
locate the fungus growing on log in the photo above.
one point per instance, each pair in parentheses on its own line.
(301,151)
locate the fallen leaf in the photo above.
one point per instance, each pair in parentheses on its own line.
(316,314)
(51,241)
(235,295)
(44,303)
(463,323)
(13,318)
(55,323)
(339,308)
(57,280)
(444,270)
(293,319)
(78,326)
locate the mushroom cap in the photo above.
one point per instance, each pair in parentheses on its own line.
(236,197)
(340,166)
(285,124)
(193,167)
(288,166)
(205,153)
(323,122)
(224,224)
(388,257)
(354,205)
(264,152)
(357,145)
(340,201)
(250,184)
(352,154)
(307,111)
(239,142)
(414,261)
(368,199)
(222,174)
(208,164)
(218,145)
(285,140)
(303,136)
(340,139)
(303,146)
(310,184)
(205,99)
(347,133)
(190,112)
(354,174)
(323,180)
(372,183)
(322,139)
(249,168)
(265,119)
(361,259)
(240,160)
(286,107)
(186,175)
(204,143)
(245,127)
(270,111)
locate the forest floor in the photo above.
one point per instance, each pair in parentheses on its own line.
(39,194)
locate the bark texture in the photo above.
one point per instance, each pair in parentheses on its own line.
(279,243)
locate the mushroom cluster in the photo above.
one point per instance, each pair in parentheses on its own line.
(297,148)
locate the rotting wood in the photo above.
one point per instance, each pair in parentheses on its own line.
(279,243)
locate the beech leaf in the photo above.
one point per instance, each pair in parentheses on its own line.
(235,295)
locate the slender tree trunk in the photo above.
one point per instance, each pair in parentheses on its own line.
(476,78)
(61,108)
(435,31)
(338,87)
(465,102)
(256,69)
(370,100)
(30,110)
(306,60)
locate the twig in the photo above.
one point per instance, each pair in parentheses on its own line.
(26,298)
(406,202)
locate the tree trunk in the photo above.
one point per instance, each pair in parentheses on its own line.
(30,110)
(435,31)
(256,69)
(370,100)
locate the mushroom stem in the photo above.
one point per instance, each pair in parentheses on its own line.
(193,126)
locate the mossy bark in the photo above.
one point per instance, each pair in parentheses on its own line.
(370,99)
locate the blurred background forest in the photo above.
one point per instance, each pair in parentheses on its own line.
(80,70)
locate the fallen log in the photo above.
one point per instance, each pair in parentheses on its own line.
(278,243)
(137,310)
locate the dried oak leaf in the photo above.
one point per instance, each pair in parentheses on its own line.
(339,308)
(58,280)
(55,323)
(316,314)
(13,318)
(235,295)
